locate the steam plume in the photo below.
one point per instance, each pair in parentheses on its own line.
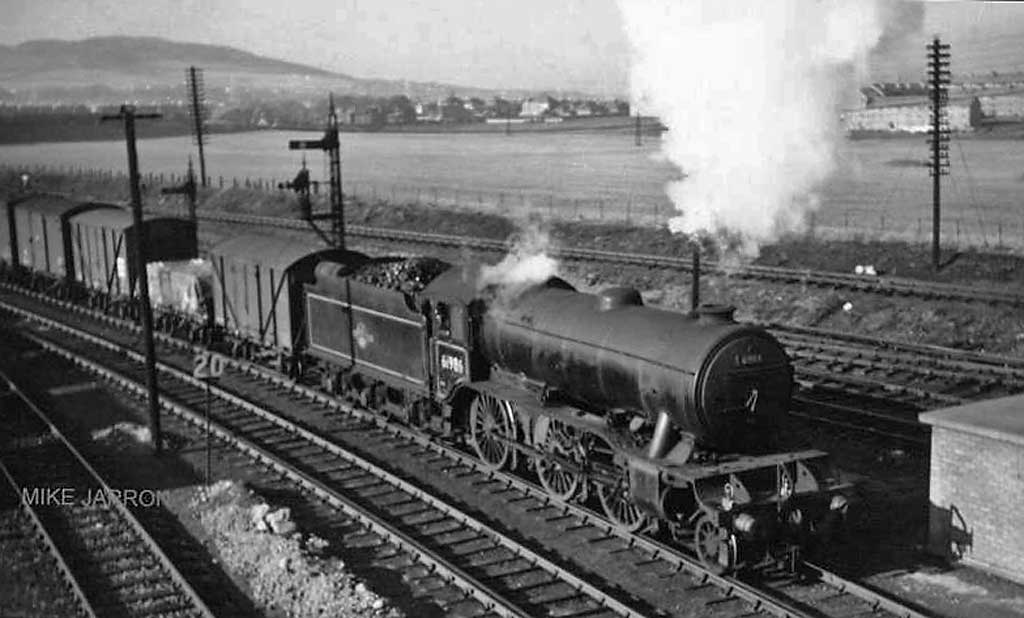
(749,92)
(527,263)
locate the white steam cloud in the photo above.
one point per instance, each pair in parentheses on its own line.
(750,92)
(526,264)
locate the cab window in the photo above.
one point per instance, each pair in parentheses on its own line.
(443,319)
(458,323)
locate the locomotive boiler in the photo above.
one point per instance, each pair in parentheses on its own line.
(723,385)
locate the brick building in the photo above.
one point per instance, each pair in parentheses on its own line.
(977,485)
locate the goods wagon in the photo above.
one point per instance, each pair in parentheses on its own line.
(182,287)
(103,240)
(257,287)
(35,235)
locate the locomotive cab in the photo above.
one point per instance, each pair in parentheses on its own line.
(454,351)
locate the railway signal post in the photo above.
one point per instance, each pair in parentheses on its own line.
(128,116)
(331,144)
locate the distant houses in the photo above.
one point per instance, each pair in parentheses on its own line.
(906,107)
(371,113)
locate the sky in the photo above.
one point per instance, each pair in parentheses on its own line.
(533,44)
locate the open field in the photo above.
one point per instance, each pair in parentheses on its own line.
(879,190)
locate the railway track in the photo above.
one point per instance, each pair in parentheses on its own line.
(869,385)
(506,577)
(109,561)
(892,381)
(651,558)
(892,286)
(33,581)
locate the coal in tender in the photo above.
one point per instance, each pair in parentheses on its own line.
(409,275)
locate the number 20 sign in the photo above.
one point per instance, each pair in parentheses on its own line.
(208,365)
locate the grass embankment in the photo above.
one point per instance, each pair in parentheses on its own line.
(957,324)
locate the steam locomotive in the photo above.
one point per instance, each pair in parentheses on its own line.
(661,418)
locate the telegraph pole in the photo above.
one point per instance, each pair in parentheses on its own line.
(198,94)
(128,115)
(938,165)
(639,127)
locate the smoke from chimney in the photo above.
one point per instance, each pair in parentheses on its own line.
(526,264)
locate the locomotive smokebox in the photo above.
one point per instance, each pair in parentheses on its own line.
(726,384)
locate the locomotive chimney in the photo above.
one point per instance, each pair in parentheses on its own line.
(715,314)
(695,289)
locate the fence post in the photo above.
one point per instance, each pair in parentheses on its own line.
(220,181)
(999,232)
(600,209)
(958,232)
(629,207)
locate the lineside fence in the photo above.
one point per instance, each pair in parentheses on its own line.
(994,232)
(510,203)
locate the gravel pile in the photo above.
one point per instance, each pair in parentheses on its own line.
(409,275)
(288,572)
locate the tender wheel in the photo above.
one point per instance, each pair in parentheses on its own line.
(563,441)
(715,547)
(492,431)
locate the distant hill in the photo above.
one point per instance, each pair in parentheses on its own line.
(137,56)
(91,69)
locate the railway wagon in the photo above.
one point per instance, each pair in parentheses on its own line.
(257,289)
(34,234)
(102,239)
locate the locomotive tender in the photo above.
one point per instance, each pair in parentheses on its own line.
(662,418)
